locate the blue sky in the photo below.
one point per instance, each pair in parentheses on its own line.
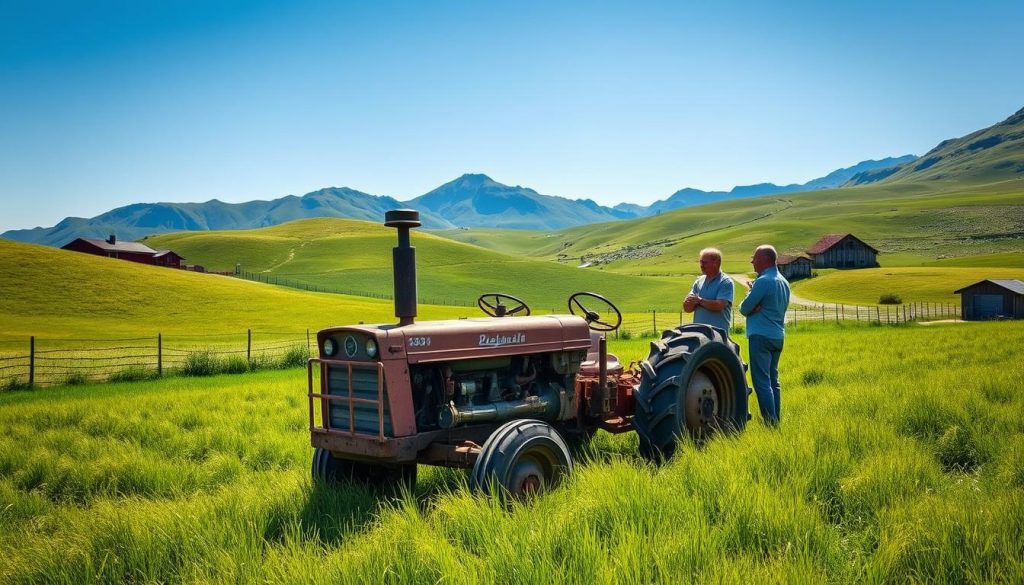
(104,104)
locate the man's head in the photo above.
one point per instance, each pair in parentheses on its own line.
(710,260)
(764,257)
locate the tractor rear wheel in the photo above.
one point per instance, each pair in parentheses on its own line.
(520,459)
(330,469)
(693,383)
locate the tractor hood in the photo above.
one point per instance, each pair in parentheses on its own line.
(458,339)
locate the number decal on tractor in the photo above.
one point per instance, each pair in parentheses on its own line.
(419,342)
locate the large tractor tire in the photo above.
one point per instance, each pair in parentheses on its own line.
(520,459)
(692,383)
(380,476)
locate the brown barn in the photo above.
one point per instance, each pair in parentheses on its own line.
(132,251)
(992,299)
(843,251)
(794,267)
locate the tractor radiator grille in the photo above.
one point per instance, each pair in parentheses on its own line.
(364,387)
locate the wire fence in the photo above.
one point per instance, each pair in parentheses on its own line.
(653,322)
(49,362)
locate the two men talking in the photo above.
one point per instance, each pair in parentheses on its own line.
(710,301)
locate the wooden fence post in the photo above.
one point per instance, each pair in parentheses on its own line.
(159,354)
(309,347)
(248,346)
(31,361)
(654,321)
(822,312)
(878,315)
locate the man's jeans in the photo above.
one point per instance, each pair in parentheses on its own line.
(764,370)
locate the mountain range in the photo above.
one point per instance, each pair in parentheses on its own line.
(472,200)
(476,200)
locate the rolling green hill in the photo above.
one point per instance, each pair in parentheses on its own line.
(61,294)
(911,223)
(356,256)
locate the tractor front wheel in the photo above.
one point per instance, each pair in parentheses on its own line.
(520,459)
(692,383)
(330,469)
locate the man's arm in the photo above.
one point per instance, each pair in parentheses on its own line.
(690,302)
(752,303)
(712,304)
(722,300)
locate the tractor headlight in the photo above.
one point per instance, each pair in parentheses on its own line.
(330,348)
(371,348)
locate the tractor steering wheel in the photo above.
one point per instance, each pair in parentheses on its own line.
(497,308)
(593,318)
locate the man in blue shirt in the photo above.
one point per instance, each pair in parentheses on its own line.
(765,310)
(710,298)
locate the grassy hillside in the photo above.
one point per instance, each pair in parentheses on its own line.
(889,467)
(933,284)
(57,293)
(911,223)
(356,256)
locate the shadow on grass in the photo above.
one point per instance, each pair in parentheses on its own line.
(335,512)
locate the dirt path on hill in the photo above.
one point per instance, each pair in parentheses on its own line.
(291,256)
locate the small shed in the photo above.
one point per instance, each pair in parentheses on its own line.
(167,258)
(794,267)
(843,251)
(992,299)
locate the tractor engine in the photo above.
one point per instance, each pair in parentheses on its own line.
(494,389)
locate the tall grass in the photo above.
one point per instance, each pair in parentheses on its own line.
(209,363)
(900,458)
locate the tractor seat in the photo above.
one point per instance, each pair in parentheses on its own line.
(590,367)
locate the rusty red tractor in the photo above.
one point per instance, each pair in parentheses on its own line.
(506,394)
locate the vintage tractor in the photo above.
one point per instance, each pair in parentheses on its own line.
(508,393)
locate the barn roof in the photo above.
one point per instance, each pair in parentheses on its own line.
(830,240)
(162,253)
(133,247)
(1011,285)
(785,259)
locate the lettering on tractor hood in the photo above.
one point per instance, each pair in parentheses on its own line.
(501,339)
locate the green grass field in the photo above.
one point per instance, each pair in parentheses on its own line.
(900,466)
(933,284)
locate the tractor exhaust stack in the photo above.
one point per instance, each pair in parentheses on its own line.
(404,263)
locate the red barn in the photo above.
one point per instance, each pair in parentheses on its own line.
(132,251)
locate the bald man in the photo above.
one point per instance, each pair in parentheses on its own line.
(765,309)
